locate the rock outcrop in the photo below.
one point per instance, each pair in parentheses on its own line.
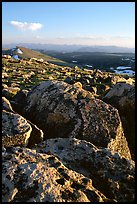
(110,173)
(28,176)
(122,96)
(63,110)
(64,142)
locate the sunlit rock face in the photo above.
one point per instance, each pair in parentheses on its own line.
(63,110)
(28,176)
(122,97)
(15,129)
(111,174)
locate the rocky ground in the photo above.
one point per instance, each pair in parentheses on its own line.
(68,134)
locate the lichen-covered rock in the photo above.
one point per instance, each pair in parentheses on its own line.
(28,176)
(64,110)
(120,90)
(122,96)
(118,79)
(111,174)
(15,129)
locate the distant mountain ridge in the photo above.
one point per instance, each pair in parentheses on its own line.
(108,49)
(72,48)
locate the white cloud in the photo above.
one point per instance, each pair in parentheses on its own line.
(26,26)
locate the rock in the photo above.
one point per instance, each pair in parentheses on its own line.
(46,63)
(40,60)
(4,75)
(122,96)
(118,79)
(10,92)
(36,135)
(69,80)
(4,86)
(29,176)
(6,56)
(102,88)
(111,174)
(6,105)
(63,110)
(92,89)
(118,90)
(14,84)
(33,59)
(15,129)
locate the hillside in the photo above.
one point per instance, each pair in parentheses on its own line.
(26,53)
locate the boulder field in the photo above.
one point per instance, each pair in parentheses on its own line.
(69,140)
(67,146)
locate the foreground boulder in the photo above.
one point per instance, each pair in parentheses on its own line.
(15,129)
(28,176)
(122,96)
(111,174)
(63,110)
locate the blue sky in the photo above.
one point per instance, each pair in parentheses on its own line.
(87,23)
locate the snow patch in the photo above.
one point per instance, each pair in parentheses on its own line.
(16,57)
(19,51)
(123,67)
(129,72)
(88,65)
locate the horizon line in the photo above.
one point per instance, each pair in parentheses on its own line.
(66,44)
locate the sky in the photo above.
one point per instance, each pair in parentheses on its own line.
(83,23)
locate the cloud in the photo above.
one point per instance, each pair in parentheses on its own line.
(26,26)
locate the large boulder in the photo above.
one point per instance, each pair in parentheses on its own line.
(122,96)
(15,129)
(28,176)
(111,174)
(63,110)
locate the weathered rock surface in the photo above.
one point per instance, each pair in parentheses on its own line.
(15,129)
(110,173)
(122,96)
(63,110)
(42,172)
(28,176)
